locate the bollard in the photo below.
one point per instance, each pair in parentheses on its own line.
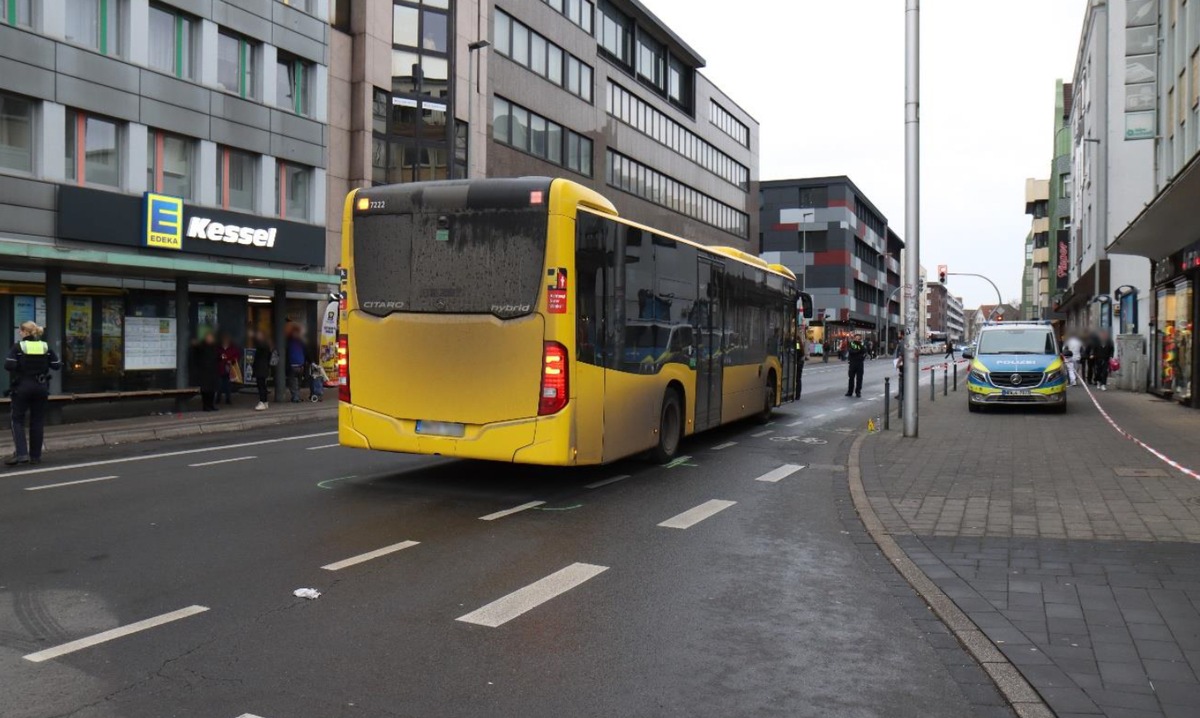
(955,376)
(932,387)
(945,381)
(887,398)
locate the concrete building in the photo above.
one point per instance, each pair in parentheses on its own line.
(944,316)
(1029,275)
(1037,206)
(826,231)
(162,173)
(1112,177)
(602,93)
(1167,230)
(976,318)
(1058,206)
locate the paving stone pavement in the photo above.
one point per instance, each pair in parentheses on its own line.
(1074,550)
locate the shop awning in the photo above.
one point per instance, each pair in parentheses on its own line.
(1167,224)
(37,256)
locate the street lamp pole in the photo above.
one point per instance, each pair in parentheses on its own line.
(912,206)
(471,59)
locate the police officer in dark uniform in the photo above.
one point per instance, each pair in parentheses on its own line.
(29,363)
(856,353)
(801,357)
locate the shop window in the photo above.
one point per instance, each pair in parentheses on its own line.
(171,42)
(94,24)
(292,78)
(236,172)
(16,133)
(293,190)
(169,164)
(92,150)
(235,64)
(15,12)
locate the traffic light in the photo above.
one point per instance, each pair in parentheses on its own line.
(942,273)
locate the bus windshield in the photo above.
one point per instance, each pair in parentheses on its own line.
(1016,341)
(459,262)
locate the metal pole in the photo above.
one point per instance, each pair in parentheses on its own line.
(946,381)
(956,376)
(912,207)
(932,384)
(887,403)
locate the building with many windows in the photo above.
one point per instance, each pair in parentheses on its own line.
(162,173)
(601,92)
(838,243)
(944,315)
(1038,272)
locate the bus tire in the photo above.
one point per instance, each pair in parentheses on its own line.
(768,400)
(670,427)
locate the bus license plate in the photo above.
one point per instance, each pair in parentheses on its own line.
(441,428)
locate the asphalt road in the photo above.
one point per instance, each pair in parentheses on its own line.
(157,580)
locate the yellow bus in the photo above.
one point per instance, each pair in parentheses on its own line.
(522,320)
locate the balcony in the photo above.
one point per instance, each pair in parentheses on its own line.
(1036,191)
(1042,226)
(1041,256)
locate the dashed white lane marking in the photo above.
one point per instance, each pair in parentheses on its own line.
(606,482)
(222,461)
(353,560)
(761,434)
(781,473)
(323,446)
(798,423)
(68,483)
(112,634)
(819,416)
(693,516)
(513,510)
(248,715)
(168,454)
(503,610)
(726,445)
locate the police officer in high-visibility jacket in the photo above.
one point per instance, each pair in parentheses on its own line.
(29,363)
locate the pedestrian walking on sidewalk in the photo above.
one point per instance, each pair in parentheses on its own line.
(230,369)
(1073,352)
(207,358)
(856,354)
(1103,354)
(262,368)
(826,348)
(1089,359)
(29,363)
(949,350)
(296,360)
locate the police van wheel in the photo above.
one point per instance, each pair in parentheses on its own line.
(670,427)
(973,408)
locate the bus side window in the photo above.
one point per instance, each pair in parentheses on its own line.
(593,286)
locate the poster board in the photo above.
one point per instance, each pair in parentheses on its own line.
(149,343)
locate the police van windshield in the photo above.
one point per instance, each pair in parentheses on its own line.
(1016,341)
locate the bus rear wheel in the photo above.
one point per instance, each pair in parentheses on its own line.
(670,427)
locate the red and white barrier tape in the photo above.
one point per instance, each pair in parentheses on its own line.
(1158,454)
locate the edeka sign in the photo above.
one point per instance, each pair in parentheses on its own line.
(164,221)
(157,223)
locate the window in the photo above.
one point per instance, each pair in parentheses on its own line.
(291,83)
(527,131)
(298,4)
(169,164)
(170,39)
(577,11)
(433,31)
(292,190)
(615,33)
(729,124)
(15,12)
(1066,185)
(235,64)
(94,24)
(406,28)
(651,58)
(16,133)
(1196,78)
(92,150)
(1171,113)
(533,51)
(236,171)
(679,84)
(650,184)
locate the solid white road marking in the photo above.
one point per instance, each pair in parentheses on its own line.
(248,715)
(843,408)
(323,446)
(762,434)
(111,634)
(513,510)
(222,461)
(798,423)
(781,473)
(693,516)
(68,483)
(503,610)
(819,416)
(339,565)
(168,454)
(726,445)
(606,482)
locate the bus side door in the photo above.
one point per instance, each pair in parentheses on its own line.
(709,334)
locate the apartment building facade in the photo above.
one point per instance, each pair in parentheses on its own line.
(944,315)
(162,174)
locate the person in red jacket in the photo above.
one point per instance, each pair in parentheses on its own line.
(229,368)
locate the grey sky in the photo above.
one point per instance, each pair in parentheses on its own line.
(825,78)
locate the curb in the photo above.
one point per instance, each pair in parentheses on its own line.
(100,437)
(1022,696)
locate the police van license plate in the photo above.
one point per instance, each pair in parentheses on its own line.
(441,428)
(1007,392)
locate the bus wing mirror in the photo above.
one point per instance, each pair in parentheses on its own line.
(806,306)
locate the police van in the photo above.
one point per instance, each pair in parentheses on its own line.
(1016,363)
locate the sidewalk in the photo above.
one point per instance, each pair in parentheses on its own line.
(239,417)
(1072,548)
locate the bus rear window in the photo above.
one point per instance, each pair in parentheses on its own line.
(460,262)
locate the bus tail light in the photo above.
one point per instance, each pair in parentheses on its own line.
(555,384)
(343,368)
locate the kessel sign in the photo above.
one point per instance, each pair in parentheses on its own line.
(165,223)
